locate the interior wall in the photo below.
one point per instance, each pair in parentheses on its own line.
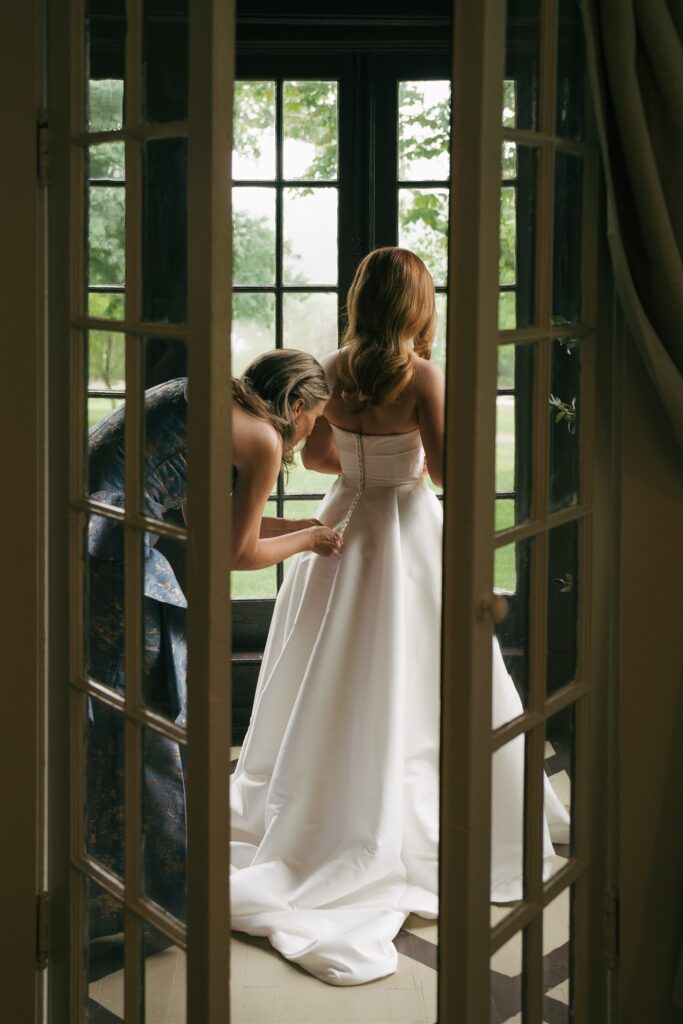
(650,697)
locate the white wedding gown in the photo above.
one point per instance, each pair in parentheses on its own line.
(335,797)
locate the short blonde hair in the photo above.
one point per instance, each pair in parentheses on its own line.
(391,313)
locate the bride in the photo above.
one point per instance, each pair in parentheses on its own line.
(335,797)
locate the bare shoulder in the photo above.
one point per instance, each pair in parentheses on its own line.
(429,377)
(254,439)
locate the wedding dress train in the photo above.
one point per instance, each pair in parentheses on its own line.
(335,797)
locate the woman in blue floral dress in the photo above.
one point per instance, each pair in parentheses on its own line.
(275,405)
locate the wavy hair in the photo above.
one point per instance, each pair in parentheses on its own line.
(391,314)
(273,382)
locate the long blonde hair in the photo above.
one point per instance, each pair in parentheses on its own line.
(273,382)
(391,314)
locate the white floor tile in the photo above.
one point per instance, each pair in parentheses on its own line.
(426,929)
(562,785)
(560,992)
(406,1006)
(508,959)
(260,1006)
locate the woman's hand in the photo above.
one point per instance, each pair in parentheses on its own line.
(324,541)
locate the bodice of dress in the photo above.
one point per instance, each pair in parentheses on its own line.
(380,460)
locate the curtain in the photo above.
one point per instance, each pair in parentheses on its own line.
(635,65)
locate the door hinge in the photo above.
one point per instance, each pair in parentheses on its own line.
(611,928)
(43,147)
(43,929)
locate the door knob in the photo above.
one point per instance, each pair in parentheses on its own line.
(494,605)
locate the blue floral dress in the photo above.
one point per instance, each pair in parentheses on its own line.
(164,650)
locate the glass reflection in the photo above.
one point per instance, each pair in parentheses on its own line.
(309,147)
(563,582)
(511,577)
(567,238)
(310,322)
(164,230)
(570,100)
(423,227)
(164,59)
(424,130)
(559,769)
(253,236)
(310,236)
(253,155)
(565,408)
(253,328)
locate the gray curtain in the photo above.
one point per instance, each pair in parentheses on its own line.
(635,66)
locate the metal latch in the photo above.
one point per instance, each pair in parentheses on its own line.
(43,147)
(43,929)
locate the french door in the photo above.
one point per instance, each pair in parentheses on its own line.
(143,110)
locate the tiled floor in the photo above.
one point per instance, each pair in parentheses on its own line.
(265,989)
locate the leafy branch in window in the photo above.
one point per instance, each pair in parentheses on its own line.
(564,411)
(565,584)
(426,127)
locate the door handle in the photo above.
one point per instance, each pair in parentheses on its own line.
(493,605)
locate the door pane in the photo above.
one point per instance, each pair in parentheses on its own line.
(517,238)
(253,155)
(570,99)
(439,345)
(164,841)
(512,578)
(506,982)
(164,423)
(309,151)
(514,423)
(563,582)
(106,49)
(565,408)
(559,769)
(507,806)
(424,110)
(104,601)
(165,979)
(522,64)
(557,959)
(104,762)
(164,59)
(104,955)
(567,238)
(164,230)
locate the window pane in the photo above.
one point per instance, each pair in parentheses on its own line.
(299,480)
(522,63)
(423,227)
(310,322)
(107,305)
(559,770)
(508,236)
(310,236)
(106,50)
(104,763)
(253,155)
(505,513)
(310,130)
(507,311)
(164,230)
(106,361)
(567,238)
(512,577)
(253,328)
(507,800)
(260,583)
(164,59)
(163,823)
(253,236)
(424,130)
(509,103)
(570,72)
(514,426)
(562,605)
(505,444)
(564,423)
